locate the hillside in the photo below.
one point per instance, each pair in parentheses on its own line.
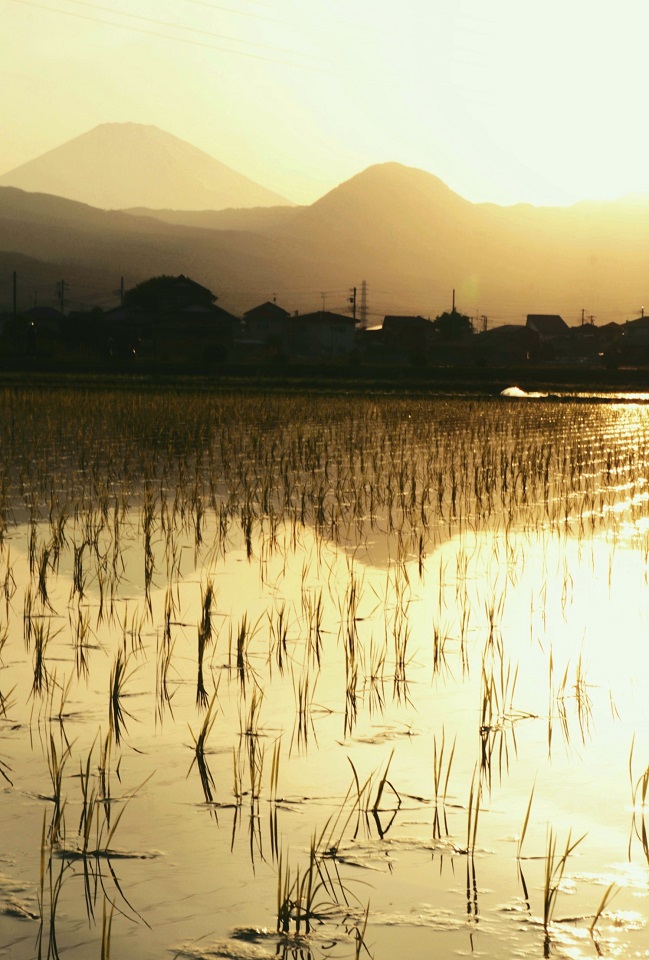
(253,219)
(119,165)
(402,230)
(240,267)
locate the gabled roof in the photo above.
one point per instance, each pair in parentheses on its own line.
(207,310)
(266,310)
(547,324)
(182,282)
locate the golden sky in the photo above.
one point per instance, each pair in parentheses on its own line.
(505,100)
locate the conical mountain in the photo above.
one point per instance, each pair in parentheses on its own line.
(120,165)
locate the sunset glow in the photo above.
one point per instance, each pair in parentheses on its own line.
(504,102)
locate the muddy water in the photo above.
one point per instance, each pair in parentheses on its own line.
(451,735)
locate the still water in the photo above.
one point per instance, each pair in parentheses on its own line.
(312,678)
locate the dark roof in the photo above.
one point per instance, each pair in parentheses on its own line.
(265,310)
(117,314)
(406,322)
(186,283)
(208,310)
(324,316)
(548,324)
(585,331)
(507,331)
(44,313)
(638,323)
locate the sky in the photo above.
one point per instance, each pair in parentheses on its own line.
(506,101)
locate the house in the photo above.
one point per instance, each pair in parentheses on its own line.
(46,320)
(547,326)
(267,324)
(585,343)
(174,318)
(635,333)
(322,335)
(509,343)
(43,330)
(203,329)
(414,334)
(634,341)
(552,333)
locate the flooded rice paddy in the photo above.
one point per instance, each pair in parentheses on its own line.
(322,677)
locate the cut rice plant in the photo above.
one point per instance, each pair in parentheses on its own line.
(200,740)
(303,726)
(56,761)
(279,636)
(639,785)
(368,799)
(42,636)
(611,891)
(106,928)
(308,896)
(47,947)
(205,628)
(441,775)
(519,849)
(555,865)
(164,694)
(119,677)
(244,636)
(473,812)
(6,703)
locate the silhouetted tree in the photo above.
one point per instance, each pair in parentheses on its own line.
(453,325)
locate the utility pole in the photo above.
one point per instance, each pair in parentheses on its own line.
(484,321)
(61,288)
(453,308)
(583,313)
(363,310)
(352,300)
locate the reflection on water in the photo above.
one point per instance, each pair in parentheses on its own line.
(311,679)
(577,396)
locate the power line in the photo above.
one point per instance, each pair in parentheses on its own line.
(322,26)
(242,13)
(163,36)
(181,26)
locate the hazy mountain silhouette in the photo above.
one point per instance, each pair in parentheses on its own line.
(255,219)
(120,165)
(78,237)
(399,228)
(38,280)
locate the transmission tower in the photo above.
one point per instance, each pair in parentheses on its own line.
(363,309)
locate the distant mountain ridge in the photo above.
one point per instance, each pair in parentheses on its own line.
(119,165)
(400,229)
